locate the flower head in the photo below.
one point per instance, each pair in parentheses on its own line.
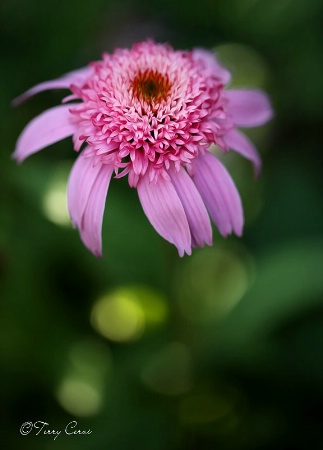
(150,113)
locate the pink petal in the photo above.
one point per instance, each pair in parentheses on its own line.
(76,77)
(241,144)
(249,108)
(91,226)
(219,194)
(165,212)
(49,127)
(196,213)
(80,183)
(211,62)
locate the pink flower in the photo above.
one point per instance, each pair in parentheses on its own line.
(151,113)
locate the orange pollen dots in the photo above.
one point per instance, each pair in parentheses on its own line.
(150,86)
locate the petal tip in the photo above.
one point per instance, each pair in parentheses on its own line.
(239,232)
(16,101)
(16,157)
(257,172)
(183,251)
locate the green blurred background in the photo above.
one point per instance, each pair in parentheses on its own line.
(220,350)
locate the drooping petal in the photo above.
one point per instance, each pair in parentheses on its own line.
(195,210)
(49,127)
(241,144)
(64,82)
(219,194)
(249,108)
(80,182)
(165,212)
(211,62)
(91,226)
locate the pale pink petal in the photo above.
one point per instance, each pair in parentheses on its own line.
(75,77)
(211,62)
(165,212)
(49,127)
(80,182)
(241,144)
(219,194)
(91,226)
(249,108)
(196,213)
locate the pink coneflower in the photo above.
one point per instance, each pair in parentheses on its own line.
(151,113)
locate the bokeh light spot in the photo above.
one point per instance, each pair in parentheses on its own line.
(54,199)
(79,397)
(118,317)
(211,284)
(125,313)
(152,303)
(88,366)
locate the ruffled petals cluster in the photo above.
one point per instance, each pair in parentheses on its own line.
(151,113)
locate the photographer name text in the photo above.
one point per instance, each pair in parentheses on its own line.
(43,428)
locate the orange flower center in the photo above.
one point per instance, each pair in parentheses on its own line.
(150,86)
